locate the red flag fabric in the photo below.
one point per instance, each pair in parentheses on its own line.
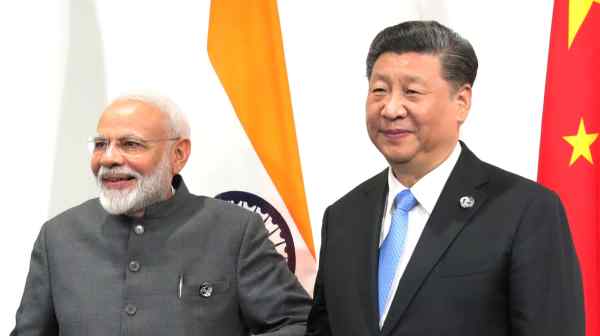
(569,160)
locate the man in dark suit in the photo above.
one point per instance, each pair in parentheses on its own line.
(440,243)
(150,258)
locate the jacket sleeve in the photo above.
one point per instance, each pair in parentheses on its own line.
(35,315)
(272,301)
(545,290)
(318,319)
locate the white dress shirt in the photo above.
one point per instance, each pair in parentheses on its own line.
(427,190)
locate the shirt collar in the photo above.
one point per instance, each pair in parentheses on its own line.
(427,190)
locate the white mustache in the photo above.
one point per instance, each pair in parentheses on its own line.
(119,171)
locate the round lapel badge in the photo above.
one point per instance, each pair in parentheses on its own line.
(467,202)
(206,290)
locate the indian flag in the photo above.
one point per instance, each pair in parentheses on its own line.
(263,171)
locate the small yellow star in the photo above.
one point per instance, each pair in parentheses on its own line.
(581,143)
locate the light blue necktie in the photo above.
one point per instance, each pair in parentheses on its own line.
(393,245)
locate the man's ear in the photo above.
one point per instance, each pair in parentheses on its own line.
(180,154)
(463,101)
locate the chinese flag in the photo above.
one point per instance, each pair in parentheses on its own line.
(569,151)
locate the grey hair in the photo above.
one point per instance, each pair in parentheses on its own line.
(179,124)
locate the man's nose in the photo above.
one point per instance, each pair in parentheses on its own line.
(395,107)
(111,157)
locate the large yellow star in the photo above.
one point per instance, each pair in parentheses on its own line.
(581,143)
(578,10)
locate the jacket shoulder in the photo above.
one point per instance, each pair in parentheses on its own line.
(225,216)
(88,211)
(500,179)
(378,181)
(227,210)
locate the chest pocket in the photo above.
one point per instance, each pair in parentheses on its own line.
(208,299)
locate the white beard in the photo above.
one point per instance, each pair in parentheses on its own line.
(148,189)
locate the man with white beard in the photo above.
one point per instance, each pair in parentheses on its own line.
(149,258)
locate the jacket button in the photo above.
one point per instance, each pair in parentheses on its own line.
(139,230)
(134,266)
(130,309)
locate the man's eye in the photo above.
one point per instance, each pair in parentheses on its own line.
(131,145)
(378,90)
(100,144)
(411,92)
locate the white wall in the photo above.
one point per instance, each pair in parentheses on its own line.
(65,56)
(32,54)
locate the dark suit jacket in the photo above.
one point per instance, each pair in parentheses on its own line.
(82,281)
(505,266)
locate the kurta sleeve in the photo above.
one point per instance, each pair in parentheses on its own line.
(35,315)
(544,282)
(272,301)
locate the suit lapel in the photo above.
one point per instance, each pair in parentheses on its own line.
(367,221)
(445,223)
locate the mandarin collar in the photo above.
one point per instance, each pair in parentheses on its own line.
(163,208)
(167,207)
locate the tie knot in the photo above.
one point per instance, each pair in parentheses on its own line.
(405,200)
